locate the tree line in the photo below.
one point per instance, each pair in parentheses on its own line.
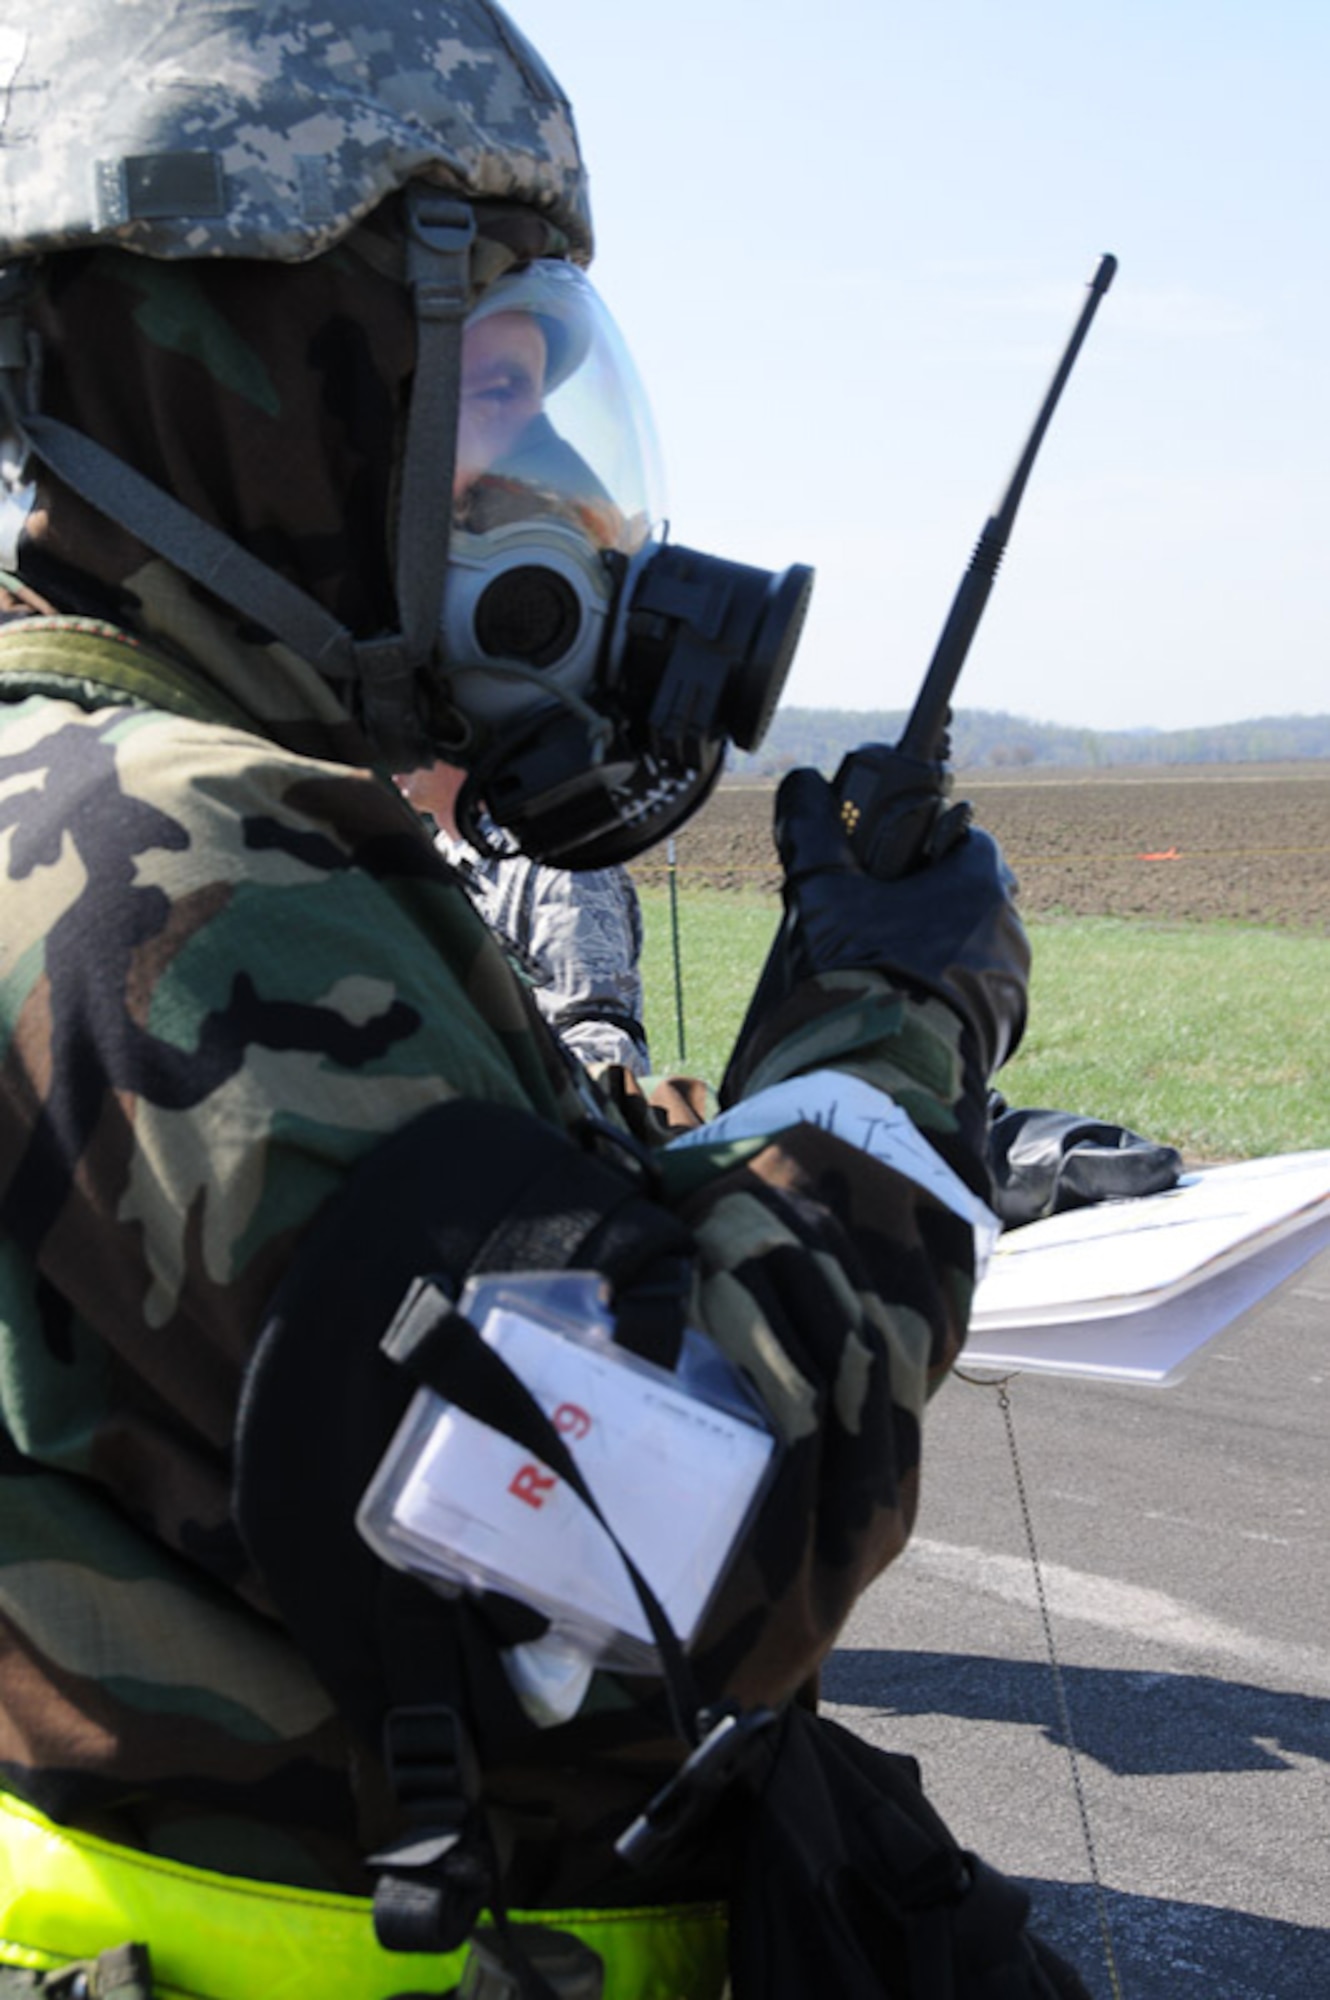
(991,740)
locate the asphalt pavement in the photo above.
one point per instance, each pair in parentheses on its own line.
(1182,1540)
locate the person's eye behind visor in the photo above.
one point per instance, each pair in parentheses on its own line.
(553,423)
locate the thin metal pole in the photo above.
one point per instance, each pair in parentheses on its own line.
(674,939)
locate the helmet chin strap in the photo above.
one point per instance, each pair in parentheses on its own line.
(384,670)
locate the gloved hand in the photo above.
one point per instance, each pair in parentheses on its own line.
(1042,1162)
(950,928)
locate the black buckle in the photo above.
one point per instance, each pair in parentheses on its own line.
(432,1765)
(433,1882)
(442,232)
(727,1747)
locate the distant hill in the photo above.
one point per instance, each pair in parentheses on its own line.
(983,739)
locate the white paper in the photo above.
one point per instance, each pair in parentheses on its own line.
(1131,1290)
(864,1117)
(1154,1346)
(675,1476)
(1105,1259)
(13,46)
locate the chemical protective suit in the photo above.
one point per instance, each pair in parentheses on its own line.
(263,1066)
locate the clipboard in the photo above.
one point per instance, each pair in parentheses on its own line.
(1131,1291)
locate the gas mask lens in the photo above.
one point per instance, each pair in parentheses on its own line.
(593,673)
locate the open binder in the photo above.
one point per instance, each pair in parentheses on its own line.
(1130,1291)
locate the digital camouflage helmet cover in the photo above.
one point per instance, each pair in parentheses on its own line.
(268,128)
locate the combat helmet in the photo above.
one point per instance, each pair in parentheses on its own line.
(268,129)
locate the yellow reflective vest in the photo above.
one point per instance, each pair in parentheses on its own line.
(66,1896)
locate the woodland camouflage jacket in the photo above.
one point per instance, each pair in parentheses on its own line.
(228,971)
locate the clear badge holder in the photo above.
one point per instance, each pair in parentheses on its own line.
(677,1462)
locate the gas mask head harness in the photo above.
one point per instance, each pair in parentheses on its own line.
(593,673)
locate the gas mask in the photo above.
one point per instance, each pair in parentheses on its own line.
(593,672)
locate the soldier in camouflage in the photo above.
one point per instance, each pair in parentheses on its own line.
(239,241)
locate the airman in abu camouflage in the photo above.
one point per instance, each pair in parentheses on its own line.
(284,511)
(574,934)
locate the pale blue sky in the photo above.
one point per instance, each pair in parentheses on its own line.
(847,241)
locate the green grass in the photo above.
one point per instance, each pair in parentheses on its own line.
(1212,1037)
(723,941)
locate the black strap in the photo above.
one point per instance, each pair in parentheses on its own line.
(467,1188)
(433,1888)
(574,1016)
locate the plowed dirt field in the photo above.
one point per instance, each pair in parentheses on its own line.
(1248,843)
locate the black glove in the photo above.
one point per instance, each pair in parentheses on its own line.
(950,928)
(1044,1161)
